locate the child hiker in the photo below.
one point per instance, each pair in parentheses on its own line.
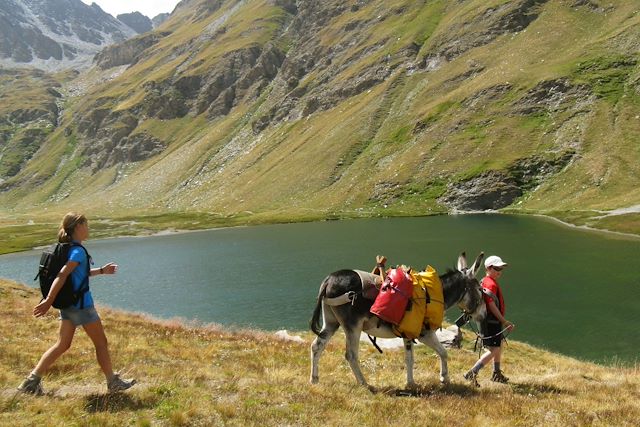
(75,229)
(495,323)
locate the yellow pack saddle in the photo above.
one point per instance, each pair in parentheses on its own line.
(426,306)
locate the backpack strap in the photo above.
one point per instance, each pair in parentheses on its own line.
(84,287)
(492,296)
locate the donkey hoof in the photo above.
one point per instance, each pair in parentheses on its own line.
(411,386)
(371,388)
(314,380)
(445,380)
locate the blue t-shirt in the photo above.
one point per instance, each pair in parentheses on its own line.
(79,274)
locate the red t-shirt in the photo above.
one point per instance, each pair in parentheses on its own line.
(491,285)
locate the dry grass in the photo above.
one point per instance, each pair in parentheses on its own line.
(204,375)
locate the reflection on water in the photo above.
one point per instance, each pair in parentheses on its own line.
(570,291)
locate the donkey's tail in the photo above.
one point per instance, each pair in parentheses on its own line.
(315,324)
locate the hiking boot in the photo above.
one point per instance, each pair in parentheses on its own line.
(117,384)
(32,385)
(472,377)
(499,377)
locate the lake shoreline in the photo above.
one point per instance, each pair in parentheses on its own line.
(586,228)
(552,218)
(176,231)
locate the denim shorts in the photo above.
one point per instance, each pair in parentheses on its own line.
(79,316)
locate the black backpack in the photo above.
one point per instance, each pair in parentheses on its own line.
(51,262)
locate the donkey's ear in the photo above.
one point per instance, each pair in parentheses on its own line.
(462,261)
(476,264)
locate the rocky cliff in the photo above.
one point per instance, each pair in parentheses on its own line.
(55,34)
(159,19)
(402,106)
(136,21)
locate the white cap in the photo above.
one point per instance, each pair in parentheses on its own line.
(494,261)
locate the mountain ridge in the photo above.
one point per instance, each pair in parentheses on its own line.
(136,21)
(55,34)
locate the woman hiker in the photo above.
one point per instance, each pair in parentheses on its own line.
(494,324)
(75,229)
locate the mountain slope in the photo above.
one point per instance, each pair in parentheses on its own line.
(311,108)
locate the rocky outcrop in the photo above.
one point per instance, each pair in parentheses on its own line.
(498,189)
(159,19)
(113,140)
(128,52)
(483,28)
(489,190)
(485,96)
(136,21)
(552,96)
(593,5)
(21,116)
(532,171)
(238,75)
(386,193)
(107,152)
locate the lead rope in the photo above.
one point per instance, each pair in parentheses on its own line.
(481,338)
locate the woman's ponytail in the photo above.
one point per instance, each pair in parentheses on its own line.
(63,237)
(68,225)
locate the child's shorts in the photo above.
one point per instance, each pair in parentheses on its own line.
(79,316)
(493,330)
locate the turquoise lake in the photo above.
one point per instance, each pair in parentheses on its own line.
(567,290)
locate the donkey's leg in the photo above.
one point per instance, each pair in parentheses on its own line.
(329,328)
(431,339)
(352,333)
(409,361)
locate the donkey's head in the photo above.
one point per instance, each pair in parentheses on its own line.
(472,303)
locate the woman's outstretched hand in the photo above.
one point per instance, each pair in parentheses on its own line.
(109,268)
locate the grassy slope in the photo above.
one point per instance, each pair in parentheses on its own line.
(25,93)
(205,375)
(332,162)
